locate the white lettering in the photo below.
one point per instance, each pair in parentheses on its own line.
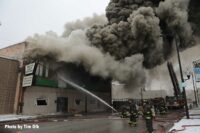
(10,126)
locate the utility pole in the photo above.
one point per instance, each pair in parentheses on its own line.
(182,79)
(142,96)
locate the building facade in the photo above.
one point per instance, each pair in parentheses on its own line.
(14,51)
(45,100)
(47,94)
(9,70)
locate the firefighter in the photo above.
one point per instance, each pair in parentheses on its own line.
(148,116)
(140,110)
(133,114)
(131,106)
(124,113)
(162,109)
(133,118)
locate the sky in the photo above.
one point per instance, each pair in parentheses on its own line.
(22,18)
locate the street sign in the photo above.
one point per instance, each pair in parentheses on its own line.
(196,65)
(197,74)
(29,68)
(27,81)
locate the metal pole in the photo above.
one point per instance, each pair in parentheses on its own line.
(142,96)
(181,72)
(194,90)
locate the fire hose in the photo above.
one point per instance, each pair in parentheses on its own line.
(194,114)
(166,119)
(183,128)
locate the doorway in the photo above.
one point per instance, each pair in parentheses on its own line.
(62,104)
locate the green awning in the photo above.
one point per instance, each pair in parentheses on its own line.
(40,81)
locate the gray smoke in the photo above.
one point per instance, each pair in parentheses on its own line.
(140,34)
(134,27)
(135,37)
(77,49)
(85,23)
(146,31)
(175,15)
(120,10)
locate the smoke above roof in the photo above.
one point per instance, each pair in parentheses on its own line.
(134,36)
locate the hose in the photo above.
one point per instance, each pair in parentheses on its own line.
(183,128)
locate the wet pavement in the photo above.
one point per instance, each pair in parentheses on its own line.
(98,125)
(106,124)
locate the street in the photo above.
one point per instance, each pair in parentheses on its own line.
(89,125)
(102,124)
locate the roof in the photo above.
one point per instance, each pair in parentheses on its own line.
(24,42)
(8,58)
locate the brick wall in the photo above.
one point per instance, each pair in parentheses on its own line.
(8,80)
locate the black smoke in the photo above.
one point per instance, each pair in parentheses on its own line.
(148,27)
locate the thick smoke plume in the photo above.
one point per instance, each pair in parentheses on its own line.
(137,34)
(77,49)
(175,14)
(85,23)
(140,34)
(137,29)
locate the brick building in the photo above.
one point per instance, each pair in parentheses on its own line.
(14,51)
(9,69)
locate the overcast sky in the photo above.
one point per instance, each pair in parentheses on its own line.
(22,18)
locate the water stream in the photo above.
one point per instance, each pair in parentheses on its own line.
(86,91)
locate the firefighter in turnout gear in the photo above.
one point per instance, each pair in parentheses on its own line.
(133,118)
(148,116)
(133,114)
(124,113)
(162,109)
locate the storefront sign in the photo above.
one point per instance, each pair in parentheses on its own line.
(29,68)
(27,81)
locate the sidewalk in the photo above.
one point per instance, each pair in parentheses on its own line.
(13,117)
(49,117)
(191,125)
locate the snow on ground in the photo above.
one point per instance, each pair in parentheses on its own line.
(11,117)
(191,125)
(195,113)
(188,123)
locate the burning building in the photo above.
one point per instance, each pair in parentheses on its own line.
(42,92)
(133,37)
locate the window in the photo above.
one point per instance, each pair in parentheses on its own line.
(41,102)
(43,70)
(39,70)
